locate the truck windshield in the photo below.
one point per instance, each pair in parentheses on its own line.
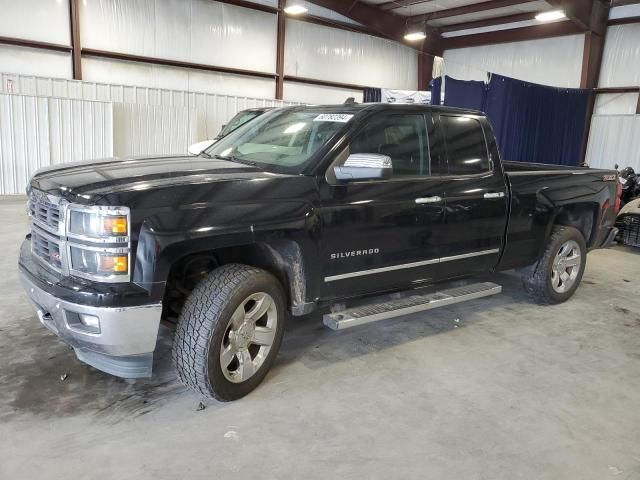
(284,139)
(238,120)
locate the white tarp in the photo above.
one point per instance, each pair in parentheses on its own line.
(550,61)
(404,96)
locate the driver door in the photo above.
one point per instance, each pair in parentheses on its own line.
(380,235)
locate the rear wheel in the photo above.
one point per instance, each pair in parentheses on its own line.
(556,275)
(229,332)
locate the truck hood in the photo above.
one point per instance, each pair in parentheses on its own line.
(87,181)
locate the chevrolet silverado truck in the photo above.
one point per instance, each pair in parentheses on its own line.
(304,207)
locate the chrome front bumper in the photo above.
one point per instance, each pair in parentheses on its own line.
(126,341)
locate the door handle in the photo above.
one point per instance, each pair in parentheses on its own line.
(434,199)
(494,195)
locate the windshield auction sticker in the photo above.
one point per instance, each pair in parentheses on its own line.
(333,117)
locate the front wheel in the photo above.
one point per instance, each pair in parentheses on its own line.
(556,275)
(229,332)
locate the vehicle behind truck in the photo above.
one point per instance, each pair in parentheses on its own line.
(300,209)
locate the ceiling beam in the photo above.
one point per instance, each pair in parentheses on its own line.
(489,22)
(386,24)
(466,9)
(624,21)
(622,3)
(578,11)
(392,26)
(535,32)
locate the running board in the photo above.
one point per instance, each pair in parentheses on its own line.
(407,305)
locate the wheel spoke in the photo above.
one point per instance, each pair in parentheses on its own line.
(564,276)
(263,336)
(555,279)
(573,261)
(227,355)
(246,368)
(237,318)
(259,309)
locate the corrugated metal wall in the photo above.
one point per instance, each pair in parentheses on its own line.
(46,121)
(36,132)
(207,112)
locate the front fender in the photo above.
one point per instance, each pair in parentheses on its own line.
(165,238)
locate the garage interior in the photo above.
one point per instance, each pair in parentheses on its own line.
(492,388)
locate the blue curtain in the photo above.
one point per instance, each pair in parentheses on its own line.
(464,94)
(536,123)
(532,123)
(436,88)
(372,95)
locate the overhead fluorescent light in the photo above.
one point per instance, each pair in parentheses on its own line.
(550,16)
(295,9)
(414,36)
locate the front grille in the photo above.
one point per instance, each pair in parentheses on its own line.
(629,227)
(46,249)
(44,211)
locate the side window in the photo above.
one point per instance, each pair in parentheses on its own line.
(466,147)
(401,137)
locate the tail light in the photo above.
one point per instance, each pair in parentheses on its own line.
(616,207)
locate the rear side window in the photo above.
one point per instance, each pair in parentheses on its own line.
(466,147)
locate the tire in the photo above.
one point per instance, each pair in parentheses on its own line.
(216,322)
(539,280)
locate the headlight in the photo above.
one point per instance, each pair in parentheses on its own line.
(99,242)
(99,225)
(102,263)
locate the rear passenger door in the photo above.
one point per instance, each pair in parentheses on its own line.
(475,197)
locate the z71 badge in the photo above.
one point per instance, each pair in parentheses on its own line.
(355,253)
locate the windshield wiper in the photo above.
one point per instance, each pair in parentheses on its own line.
(205,154)
(237,160)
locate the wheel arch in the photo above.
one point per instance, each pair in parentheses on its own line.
(281,257)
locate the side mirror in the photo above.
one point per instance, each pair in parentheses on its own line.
(364,166)
(198,148)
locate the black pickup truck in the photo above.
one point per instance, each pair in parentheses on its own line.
(303,207)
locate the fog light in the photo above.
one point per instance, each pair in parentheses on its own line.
(82,322)
(91,322)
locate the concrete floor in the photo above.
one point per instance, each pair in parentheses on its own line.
(493,389)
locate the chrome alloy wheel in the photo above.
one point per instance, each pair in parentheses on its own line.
(248,338)
(566,266)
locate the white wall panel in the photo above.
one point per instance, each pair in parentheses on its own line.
(33,61)
(621,57)
(36,132)
(79,130)
(315,94)
(160,76)
(613,139)
(616,104)
(233,36)
(197,31)
(625,11)
(147,120)
(150,129)
(41,20)
(315,51)
(550,61)
(318,11)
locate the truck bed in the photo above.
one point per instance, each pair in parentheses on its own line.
(513,166)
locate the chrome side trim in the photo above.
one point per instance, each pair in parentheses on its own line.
(402,266)
(434,199)
(380,270)
(469,255)
(490,195)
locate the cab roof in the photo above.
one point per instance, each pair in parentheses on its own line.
(381,107)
